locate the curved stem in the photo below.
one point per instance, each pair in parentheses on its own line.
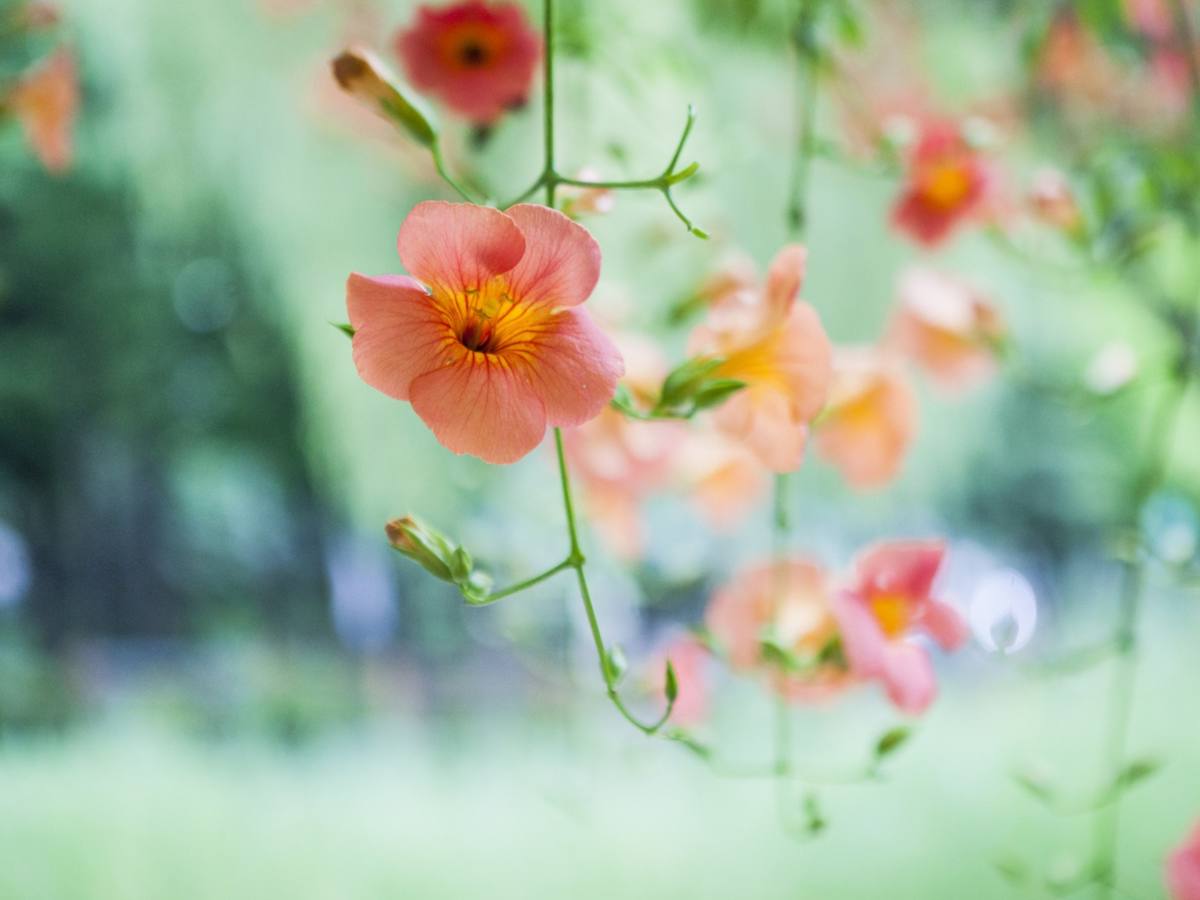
(439,163)
(523,585)
(806,109)
(576,561)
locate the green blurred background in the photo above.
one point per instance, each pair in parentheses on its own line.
(216,679)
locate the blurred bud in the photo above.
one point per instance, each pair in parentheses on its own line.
(1113,367)
(427,547)
(1053,202)
(361,74)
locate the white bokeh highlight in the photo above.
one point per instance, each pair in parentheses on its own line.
(1003,612)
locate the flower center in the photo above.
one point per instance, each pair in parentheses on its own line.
(478,333)
(892,613)
(472,54)
(946,185)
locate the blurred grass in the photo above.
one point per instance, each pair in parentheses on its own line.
(487,807)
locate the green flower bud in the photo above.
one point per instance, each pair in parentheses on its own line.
(361,74)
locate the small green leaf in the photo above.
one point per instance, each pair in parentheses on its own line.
(685,378)
(891,741)
(716,392)
(615,663)
(815,821)
(344,327)
(671,688)
(1137,771)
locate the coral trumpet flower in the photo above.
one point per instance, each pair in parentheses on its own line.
(778,348)
(890,600)
(485,339)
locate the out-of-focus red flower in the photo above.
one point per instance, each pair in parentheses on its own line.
(620,461)
(477,58)
(947,184)
(1183,868)
(871,418)
(890,600)
(45,101)
(947,327)
(778,348)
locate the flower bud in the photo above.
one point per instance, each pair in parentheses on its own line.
(427,547)
(361,74)
(1053,202)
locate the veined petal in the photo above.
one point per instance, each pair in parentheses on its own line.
(570,364)
(456,247)
(399,333)
(561,264)
(479,405)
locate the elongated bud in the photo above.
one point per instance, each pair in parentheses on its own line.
(440,557)
(361,74)
(425,546)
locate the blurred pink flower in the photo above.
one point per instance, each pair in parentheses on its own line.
(1183,868)
(620,461)
(779,349)
(484,339)
(477,58)
(947,184)
(870,420)
(947,327)
(788,603)
(888,601)
(45,101)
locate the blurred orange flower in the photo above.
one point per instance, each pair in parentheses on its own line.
(46,101)
(785,605)
(779,349)
(869,423)
(947,327)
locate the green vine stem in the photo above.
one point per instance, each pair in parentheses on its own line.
(796,217)
(1162,430)
(550,178)
(575,558)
